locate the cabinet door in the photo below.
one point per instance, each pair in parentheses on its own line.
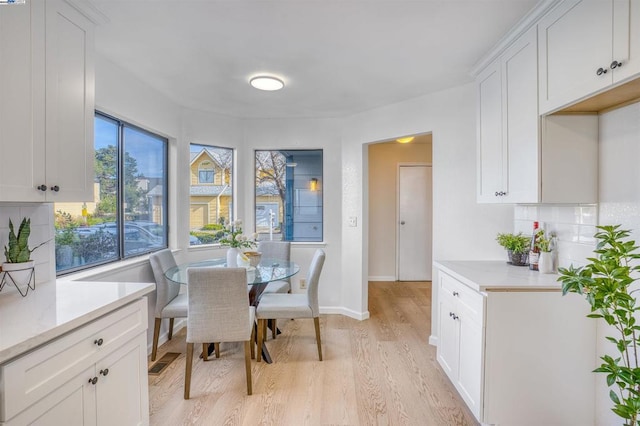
(73,403)
(626,39)
(447,336)
(490,147)
(470,362)
(520,119)
(575,40)
(21,95)
(69,103)
(122,390)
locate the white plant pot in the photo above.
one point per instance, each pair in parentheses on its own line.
(545,263)
(232,257)
(19,274)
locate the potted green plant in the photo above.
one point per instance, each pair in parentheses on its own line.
(545,261)
(18,254)
(606,283)
(517,246)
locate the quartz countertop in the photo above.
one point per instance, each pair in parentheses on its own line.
(55,308)
(498,276)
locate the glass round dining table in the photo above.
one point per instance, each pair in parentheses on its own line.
(257,278)
(266,271)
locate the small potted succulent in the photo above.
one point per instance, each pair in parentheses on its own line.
(18,254)
(517,246)
(544,244)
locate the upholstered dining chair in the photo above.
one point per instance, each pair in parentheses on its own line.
(276,250)
(219,311)
(282,305)
(169,303)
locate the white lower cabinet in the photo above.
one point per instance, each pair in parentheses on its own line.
(95,375)
(515,355)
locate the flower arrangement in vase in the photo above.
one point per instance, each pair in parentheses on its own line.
(236,240)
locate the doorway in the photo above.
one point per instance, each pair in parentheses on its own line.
(383,161)
(414,222)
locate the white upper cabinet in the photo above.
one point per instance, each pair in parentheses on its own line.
(508,125)
(70,103)
(46,103)
(585,47)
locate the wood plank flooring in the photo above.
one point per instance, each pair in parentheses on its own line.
(380,371)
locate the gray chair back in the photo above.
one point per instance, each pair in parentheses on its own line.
(219,308)
(275,249)
(166,290)
(313,277)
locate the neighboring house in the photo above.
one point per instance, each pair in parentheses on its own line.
(210,190)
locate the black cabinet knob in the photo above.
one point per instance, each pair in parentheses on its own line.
(98,342)
(93,381)
(455,293)
(55,188)
(601,71)
(615,64)
(42,188)
(104,372)
(455,317)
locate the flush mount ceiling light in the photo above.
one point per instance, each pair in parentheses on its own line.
(405,140)
(265,82)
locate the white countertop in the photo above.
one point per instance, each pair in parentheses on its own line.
(53,309)
(499,276)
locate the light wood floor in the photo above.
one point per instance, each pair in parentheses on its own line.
(375,372)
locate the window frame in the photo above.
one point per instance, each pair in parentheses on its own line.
(121,252)
(216,172)
(320,188)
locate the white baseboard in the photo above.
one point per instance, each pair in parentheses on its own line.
(433,340)
(382,278)
(178,324)
(339,310)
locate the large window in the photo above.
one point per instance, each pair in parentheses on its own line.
(289,195)
(128,215)
(210,193)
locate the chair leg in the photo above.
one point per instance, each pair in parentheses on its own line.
(217,346)
(316,322)
(187,373)
(247,364)
(156,334)
(205,352)
(274,328)
(260,338)
(253,342)
(170,328)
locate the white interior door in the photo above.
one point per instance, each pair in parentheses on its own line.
(414,223)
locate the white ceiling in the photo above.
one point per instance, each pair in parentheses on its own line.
(337,57)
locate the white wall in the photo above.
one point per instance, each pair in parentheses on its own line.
(462,229)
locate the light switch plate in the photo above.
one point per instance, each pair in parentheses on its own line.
(353,221)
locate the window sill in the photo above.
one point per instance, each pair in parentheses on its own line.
(95,272)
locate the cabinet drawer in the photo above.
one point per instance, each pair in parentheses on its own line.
(33,376)
(473,301)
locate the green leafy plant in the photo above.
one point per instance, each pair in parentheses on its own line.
(605,283)
(542,242)
(516,243)
(18,250)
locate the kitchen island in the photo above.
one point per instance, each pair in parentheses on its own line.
(518,352)
(74,352)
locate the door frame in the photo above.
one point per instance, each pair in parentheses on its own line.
(398,166)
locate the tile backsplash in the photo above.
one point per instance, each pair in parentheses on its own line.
(41,215)
(574,226)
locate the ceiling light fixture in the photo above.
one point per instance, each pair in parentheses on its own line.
(265,82)
(405,140)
